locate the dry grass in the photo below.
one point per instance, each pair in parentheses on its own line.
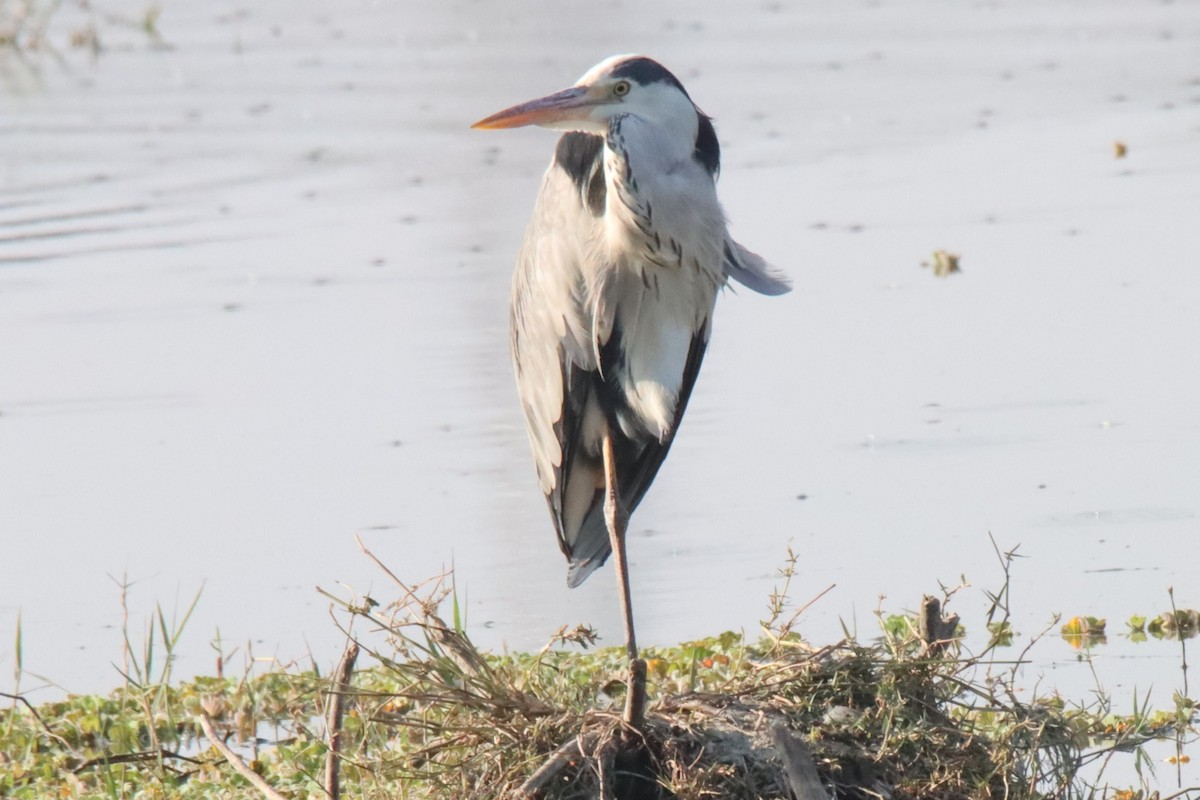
(901,718)
(910,715)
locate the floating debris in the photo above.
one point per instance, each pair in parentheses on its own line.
(1081,632)
(1084,626)
(944,263)
(1183,623)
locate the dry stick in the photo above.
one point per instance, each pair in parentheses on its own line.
(235,760)
(606,765)
(558,761)
(798,764)
(930,621)
(333,719)
(935,630)
(635,694)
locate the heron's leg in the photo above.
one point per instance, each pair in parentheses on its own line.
(616,516)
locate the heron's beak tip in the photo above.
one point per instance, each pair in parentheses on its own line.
(488,124)
(515,117)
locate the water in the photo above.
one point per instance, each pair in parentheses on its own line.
(253,302)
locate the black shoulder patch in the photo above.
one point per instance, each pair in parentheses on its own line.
(579,155)
(646,71)
(708,149)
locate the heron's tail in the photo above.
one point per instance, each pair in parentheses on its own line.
(591,549)
(752,271)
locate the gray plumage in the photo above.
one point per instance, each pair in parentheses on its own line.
(615,286)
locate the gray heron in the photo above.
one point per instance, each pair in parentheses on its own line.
(613,296)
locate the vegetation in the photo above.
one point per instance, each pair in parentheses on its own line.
(909,715)
(47,25)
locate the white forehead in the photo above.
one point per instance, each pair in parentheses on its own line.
(604,67)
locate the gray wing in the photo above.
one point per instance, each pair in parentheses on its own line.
(553,353)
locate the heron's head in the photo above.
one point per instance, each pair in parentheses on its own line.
(619,85)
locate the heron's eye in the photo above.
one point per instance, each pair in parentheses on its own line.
(621,88)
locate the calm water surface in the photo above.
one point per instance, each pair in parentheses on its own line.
(253,302)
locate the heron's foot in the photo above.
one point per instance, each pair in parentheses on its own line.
(635,694)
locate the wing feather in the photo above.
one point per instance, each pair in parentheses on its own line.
(551,330)
(752,271)
(638,461)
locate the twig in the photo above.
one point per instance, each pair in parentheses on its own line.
(134,758)
(454,644)
(1188,792)
(16,698)
(808,605)
(333,719)
(410,592)
(558,761)
(235,761)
